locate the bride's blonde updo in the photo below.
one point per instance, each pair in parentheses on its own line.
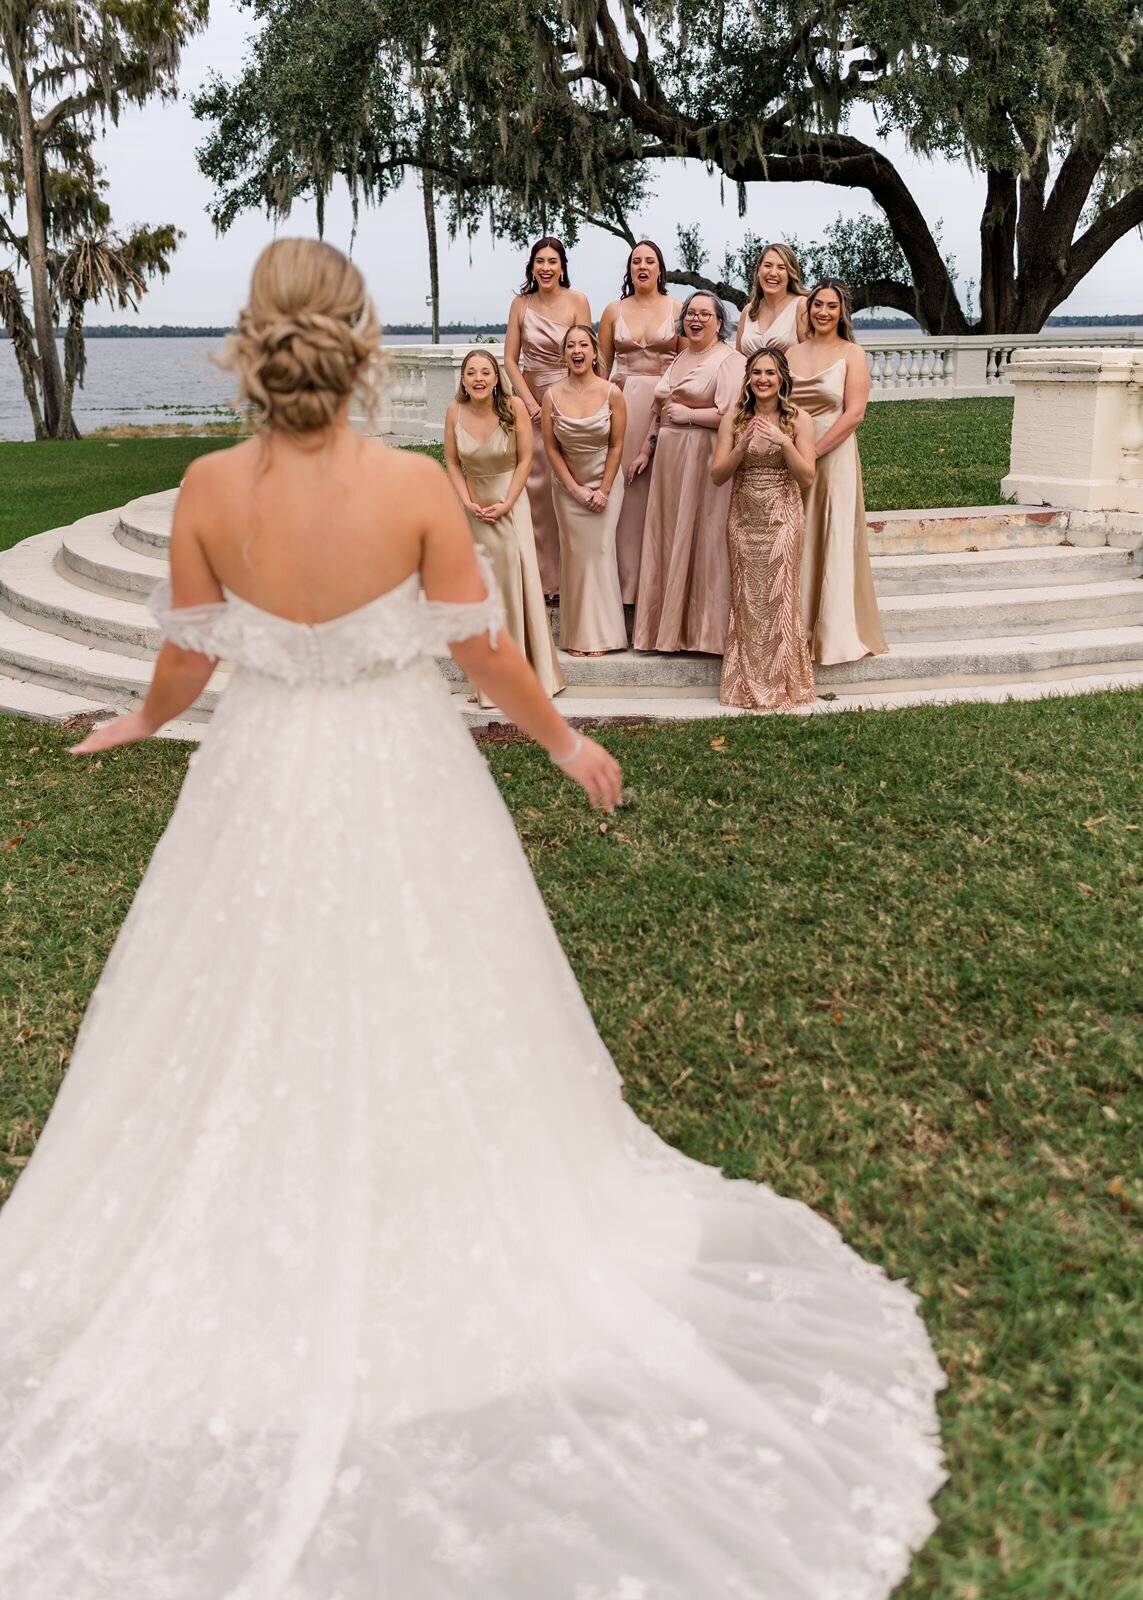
(307,339)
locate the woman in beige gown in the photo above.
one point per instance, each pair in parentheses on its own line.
(541,314)
(683,600)
(775,314)
(488,451)
(831,382)
(639,334)
(767,446)
(584,421)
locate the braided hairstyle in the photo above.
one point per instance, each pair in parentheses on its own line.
(307,338)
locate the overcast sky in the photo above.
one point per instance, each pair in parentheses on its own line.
(150,163)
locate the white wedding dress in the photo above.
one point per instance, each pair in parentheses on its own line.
(342,1271)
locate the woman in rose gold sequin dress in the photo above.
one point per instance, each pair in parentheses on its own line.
(767,445)
(541,314)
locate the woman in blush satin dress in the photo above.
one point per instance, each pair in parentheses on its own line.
(831,382)
(540,315)
(775,314)
(767,446)
(584,421)
(342,1268)
(639,333)
(683,602)
(488,451)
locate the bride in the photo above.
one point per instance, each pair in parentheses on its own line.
(342,1271)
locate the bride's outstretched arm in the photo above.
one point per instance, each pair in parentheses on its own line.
(449,572)
(180,676)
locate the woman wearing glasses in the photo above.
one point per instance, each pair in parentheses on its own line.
(683,600)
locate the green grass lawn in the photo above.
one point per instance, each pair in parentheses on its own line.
(887,963)
(915,453)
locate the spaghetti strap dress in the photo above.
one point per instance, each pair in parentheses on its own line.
(638,368)
(591,604)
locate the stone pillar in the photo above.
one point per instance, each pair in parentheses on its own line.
(1077,439)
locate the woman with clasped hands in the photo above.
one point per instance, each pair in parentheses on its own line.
(683,601)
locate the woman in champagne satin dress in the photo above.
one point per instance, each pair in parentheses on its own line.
(542,312)
(683,601)
(767,446)
(488,452)
(584,422)
(831,382)
(775,314)
(639,334)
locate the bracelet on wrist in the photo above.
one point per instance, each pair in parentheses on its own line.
(566,761)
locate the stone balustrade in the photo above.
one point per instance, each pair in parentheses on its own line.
(424,377)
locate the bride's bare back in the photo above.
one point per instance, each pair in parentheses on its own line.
(312,530)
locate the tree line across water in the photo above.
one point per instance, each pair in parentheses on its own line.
(531,116)
(879,324)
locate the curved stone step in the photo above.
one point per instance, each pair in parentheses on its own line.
(94,558)
(145,523)
(109,677)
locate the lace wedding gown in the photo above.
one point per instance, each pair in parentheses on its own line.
(342,1271)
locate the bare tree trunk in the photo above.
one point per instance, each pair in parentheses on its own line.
(51,378)
(998,254)
(428,195)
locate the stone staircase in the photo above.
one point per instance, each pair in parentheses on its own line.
(977,603)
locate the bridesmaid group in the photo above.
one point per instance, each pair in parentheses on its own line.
(672,480)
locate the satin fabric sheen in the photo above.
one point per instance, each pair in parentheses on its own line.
(683,601)
(638,368)
(839,605)
(542,362)
(783,331)
(511,548)
(591,605)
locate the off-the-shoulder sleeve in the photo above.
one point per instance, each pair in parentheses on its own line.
(449,621)
(728,383)
(190,627)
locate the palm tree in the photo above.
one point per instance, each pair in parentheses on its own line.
(63,65)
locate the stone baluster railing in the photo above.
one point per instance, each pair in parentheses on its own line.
(424,378)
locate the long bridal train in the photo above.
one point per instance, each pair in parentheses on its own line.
(342,1271)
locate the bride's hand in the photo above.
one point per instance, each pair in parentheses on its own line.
(598,774)
(123,730)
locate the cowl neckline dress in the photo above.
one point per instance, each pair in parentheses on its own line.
(683,601)
(839,603)
(783,331)
(509,544)
(638,368)
(591,604)
(542,362)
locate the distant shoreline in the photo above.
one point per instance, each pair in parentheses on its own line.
(450,329)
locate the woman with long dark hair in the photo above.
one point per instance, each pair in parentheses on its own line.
(541,313)
(488,453)
(766,444)
(831,382)
(683,601)
(639,333)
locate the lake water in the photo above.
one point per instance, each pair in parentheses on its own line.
(142,381)
(148,381)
